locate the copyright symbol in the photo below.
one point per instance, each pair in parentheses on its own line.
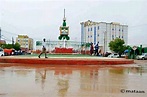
(122,90)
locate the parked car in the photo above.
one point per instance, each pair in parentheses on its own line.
(142,57)
(1,52)
(115,55)
(107,54)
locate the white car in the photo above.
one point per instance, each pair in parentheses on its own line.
(113,55)
(1,52)
(142,57)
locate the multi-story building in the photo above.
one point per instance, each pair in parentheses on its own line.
(2,42)
(25,42)
(102,33)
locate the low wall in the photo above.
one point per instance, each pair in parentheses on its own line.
(66,61)
(63,50)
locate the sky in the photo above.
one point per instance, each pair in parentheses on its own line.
(42,18)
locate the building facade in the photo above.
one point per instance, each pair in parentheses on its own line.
(25,42)
(102,33)
(2,42)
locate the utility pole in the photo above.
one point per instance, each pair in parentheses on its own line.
(12,41)
(104,43)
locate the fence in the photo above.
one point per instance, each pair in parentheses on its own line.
(77,47)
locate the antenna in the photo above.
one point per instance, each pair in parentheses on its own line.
(64,16)
(64,13)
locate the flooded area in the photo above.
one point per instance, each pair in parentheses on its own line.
(73,81)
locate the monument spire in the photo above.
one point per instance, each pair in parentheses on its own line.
(64,19)
(64,13)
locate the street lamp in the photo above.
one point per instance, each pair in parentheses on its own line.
(49,45)
(134,48)
(105,32)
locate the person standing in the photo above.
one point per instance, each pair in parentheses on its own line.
(96,49)
(43,48)
(91,48)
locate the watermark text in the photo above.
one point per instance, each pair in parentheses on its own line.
(131,91)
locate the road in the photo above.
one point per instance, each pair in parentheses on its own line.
(141,62)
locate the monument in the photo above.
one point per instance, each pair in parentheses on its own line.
(64,30)
(64,35)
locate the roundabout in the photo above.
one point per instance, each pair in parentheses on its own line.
(56,60)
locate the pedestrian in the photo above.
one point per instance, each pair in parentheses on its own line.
(43,48)
(91,48)
(96,49)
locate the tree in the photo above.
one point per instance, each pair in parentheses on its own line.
(16,46)
(118,46)
(7,46)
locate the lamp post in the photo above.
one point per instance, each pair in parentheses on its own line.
(25,46)
(49,45)
(134,48)
(104,41)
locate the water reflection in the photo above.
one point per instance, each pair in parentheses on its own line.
(63,85)
(40,77)
(103,81)
(72,81)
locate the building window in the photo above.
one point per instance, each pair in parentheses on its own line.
(98,27)
(91,35)
(122,37)
(119,36)
(119,29)
(91,29)
(98,35)
(88,29)
(88,36)
(112,29)
(122,30)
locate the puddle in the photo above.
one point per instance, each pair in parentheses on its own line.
(73,81)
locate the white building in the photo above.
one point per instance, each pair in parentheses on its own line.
(103,33)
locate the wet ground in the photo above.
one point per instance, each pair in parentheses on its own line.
(74,81)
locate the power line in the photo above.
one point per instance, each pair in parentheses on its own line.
(9,32)
(6,39)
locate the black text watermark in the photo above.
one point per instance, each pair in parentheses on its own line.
(131,91)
